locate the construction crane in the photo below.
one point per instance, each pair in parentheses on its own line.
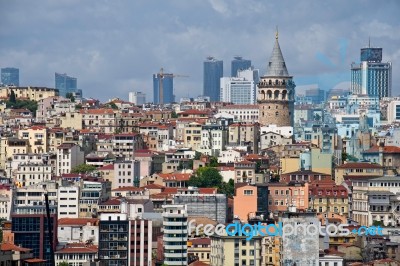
(160,76)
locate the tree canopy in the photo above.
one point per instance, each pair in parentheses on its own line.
(211,178)
(83,168)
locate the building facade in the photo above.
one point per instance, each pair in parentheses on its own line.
(10,76)
(137,97)
(213,70)
(163,88)
(65,84)
(276,92)
(371,76)
(237,64)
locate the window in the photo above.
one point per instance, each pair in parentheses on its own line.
(248,192)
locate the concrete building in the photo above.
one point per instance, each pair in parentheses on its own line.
(240,89)
(393,112)
(211,205)
(10,76)
(213,71)
(238,64)
(371,76)
(276,92)
(31,93)
(69,155)
(301,248)
(65,84)
(137,97)
(91,195)
(68,201)
(175,226)
(214,138)
(126,173)
(125,145)
(5,202)
(78,230)
(282,195)
(31,173)
(76,254)
(246,113)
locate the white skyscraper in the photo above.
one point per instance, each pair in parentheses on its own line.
(240,89)
(137,97)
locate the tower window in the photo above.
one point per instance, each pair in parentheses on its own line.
(276,113)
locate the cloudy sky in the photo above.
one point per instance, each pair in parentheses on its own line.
(114,46)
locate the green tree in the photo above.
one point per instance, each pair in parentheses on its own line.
(197,155)
(63,263)
(377,223)
(83,168)
(317,117)
(206,177)
(174,114)
(213,161)
(12,98)
(18,104)
(112,106)
(227,188)
(70,96)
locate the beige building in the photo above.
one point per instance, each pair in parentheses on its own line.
(31,93)
(271,250)
(201,248)
(235,250)
(189,134)
(101,120)
(71,120)
(356,169)
(11,146)
(244,135)
(36,137)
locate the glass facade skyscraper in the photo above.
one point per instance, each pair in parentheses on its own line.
(66,84)
(371,76)
(10,76)
(213,71)
(238,63)
(163,88)
(240,89)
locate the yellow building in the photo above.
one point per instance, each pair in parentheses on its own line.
(30,93)
(271,250)
(201,248)
(289,165)
(192,135)
(36,137)
(356,169)
(71,120)
(11,146)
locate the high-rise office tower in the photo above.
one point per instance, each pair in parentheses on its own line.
(163,88)
(276,92)
(240,89)
(371,77)
(10,76)
(212,73)
(137,97)
(238,63)
(66,84)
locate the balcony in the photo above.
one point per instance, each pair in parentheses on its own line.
(167,223)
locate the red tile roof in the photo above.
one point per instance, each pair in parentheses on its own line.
(360,165)
(200,241)
(77,221)
(97,111)
(78,248)
(386,149)
(106,167)
(111,202)
(9,246)
(175,176)
(34,260)
(128,188)
(153,186)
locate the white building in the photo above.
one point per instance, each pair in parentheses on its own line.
(240,89)
(175,234)
(78,230)
(137,97)
(31,173)
(214,138)
(76,254)
(68,202)
(5,202)
(393,112)
(247,113)
(69,155)
(285,131)
(125,173)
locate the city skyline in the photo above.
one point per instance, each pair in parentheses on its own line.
(112,57)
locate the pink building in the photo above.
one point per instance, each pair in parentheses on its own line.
(281,195)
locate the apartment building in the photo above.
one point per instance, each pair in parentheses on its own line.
(68,201)
(69,155)
(78,230)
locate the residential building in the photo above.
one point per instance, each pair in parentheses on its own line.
(235,250)
(68,201)
(91,195)
(102,120)
(244,136)
(36,137)
(212,205)
(78,230)
(350,170)
(175,227)
(10,76)
(31,93)
(5,202)
(245,113)
(214,137)
(282,195)
(245,172)
(125,144)
(371,77)
(137,97)
(163,88)
(126,173)
(295,252)
(141,231)
(11,254)
(238,64)
(329,199)
(76,254)
(386,156)
(201,248)
(31,173)
(213,71)
(276,92)
(69,155)
(113,239)
(393,112)
(65,84)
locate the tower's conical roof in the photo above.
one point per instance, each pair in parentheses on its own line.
(276,65)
